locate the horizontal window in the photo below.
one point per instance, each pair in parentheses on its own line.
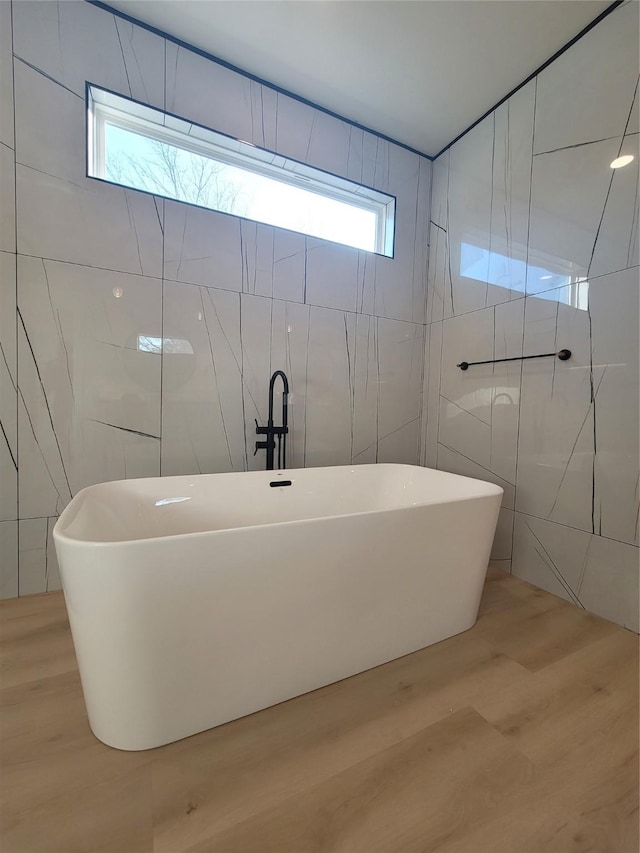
(146,149)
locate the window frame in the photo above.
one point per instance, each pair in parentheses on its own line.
(104,106)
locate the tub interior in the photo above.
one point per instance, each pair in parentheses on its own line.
(169,506)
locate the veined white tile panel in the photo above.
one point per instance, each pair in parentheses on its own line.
(468,337)
(38,562)
(551,556)
(367,283)
(404,174)
(6,76)
(568,195)
(610,586)
(462,431)
(43,479)
(50,126)
(328,387)
(209,94)
(597,573)
(556,437)
(402,445)
(93,224)
(366,391)
(382,165)
(304,134)
(487,215)
(8,559)
(202,424)
(505,398)
(328,143)
(614,309)
(8,322)
(424,457)
(399,292)
(400,351)
(8,390)
(54,581)
(72,42)
(331,275)
(431,393)
(8,468)
(479,407)
(456,463)
(616,245)
(484,335)
(586,93)
(275,336)
(633,125)
(202,247)
(288,352)
(387,391)
(256,244)
(440,190)
(400,284)
(438,278)
(257,331)
(503,540)
(294,128)
(469,223)
(89,388)
(289,265)
(510,191)
(212,397)
(357,155)
(263,115)
(7,199)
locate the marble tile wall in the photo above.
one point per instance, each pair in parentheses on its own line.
(534,248)
(88,268)
(8,339)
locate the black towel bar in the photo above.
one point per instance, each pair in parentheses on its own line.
(563,355)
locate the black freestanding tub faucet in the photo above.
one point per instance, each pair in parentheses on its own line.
(272,431)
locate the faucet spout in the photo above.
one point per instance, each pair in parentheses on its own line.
(272,432)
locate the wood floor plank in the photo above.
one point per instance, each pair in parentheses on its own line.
(538,631)
(35,640)
(262,759)
(584,800)
(409,797)
(503,590)
(556,710)
(47,746)
(518,736)
(113,815)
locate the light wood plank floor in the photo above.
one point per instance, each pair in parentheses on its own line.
(518,736)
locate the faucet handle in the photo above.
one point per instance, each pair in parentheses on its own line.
(261,430)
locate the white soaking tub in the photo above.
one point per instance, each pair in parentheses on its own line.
(196,600)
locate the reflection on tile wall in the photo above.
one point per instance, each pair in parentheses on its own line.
(98,268)
(534,248)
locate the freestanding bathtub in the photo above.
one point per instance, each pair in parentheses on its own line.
(196,600)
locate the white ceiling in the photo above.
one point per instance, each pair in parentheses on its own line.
(418,71)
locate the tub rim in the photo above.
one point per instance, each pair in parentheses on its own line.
(62,536)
